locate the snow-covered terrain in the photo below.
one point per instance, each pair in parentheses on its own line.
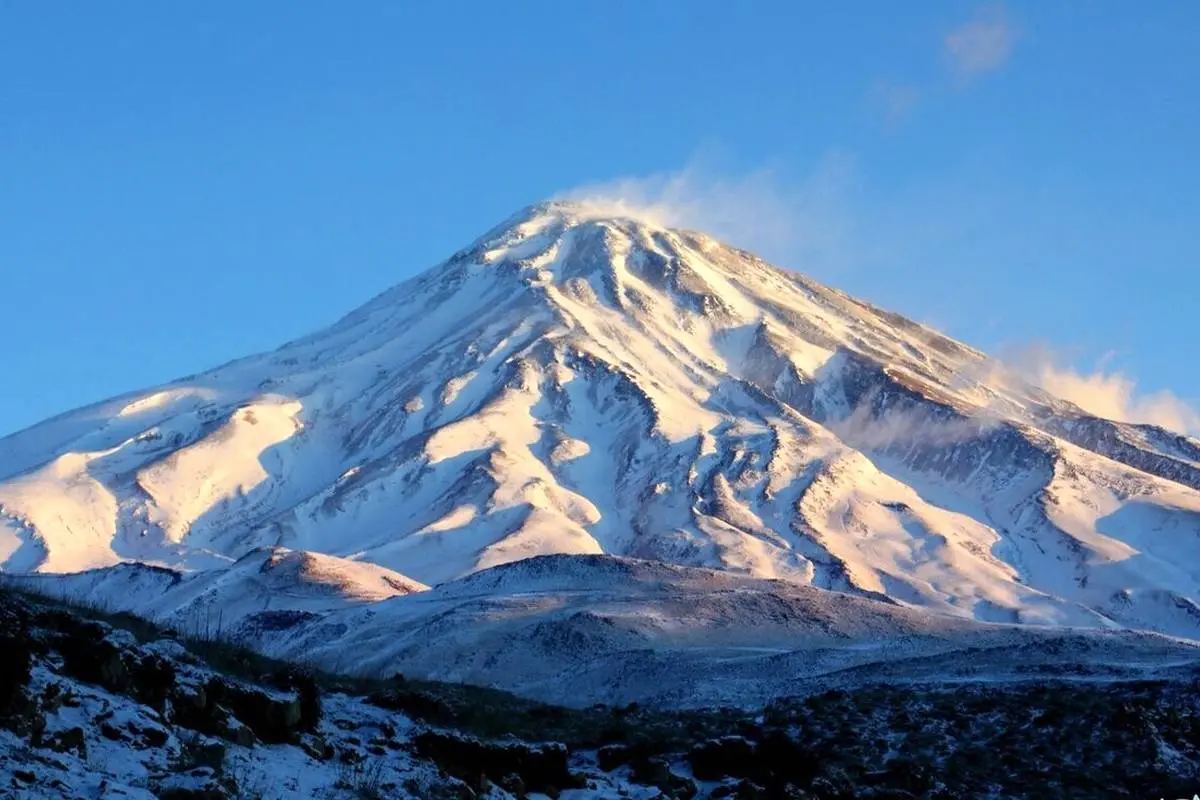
(581,384)
(90,709)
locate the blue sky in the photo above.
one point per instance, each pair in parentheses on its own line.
(181,184)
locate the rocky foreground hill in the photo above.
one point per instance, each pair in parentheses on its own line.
(101,706)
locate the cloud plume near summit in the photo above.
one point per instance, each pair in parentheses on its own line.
(804,223)
(1105,392)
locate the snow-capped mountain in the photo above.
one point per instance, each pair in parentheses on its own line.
(576,382)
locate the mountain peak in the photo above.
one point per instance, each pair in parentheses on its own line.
(551,219)
(579,210)
(556,217)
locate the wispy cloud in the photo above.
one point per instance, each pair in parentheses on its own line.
(983,44)
(895,102)
(802,222)
(1105,392)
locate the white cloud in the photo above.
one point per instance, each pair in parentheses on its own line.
(895,102)
(981,45)
(1106,393)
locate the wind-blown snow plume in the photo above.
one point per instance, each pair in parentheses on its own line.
(803,222)
(1106,393)
(918,425)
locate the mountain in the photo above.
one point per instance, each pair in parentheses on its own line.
(587,384)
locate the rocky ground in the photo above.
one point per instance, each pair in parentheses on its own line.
(102,706)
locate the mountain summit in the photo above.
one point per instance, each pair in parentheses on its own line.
(584,382)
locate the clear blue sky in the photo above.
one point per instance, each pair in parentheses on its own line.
(184,183)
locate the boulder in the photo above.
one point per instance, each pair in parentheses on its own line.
(540,767)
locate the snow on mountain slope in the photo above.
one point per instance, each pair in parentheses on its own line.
(574,383)
(204,602)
